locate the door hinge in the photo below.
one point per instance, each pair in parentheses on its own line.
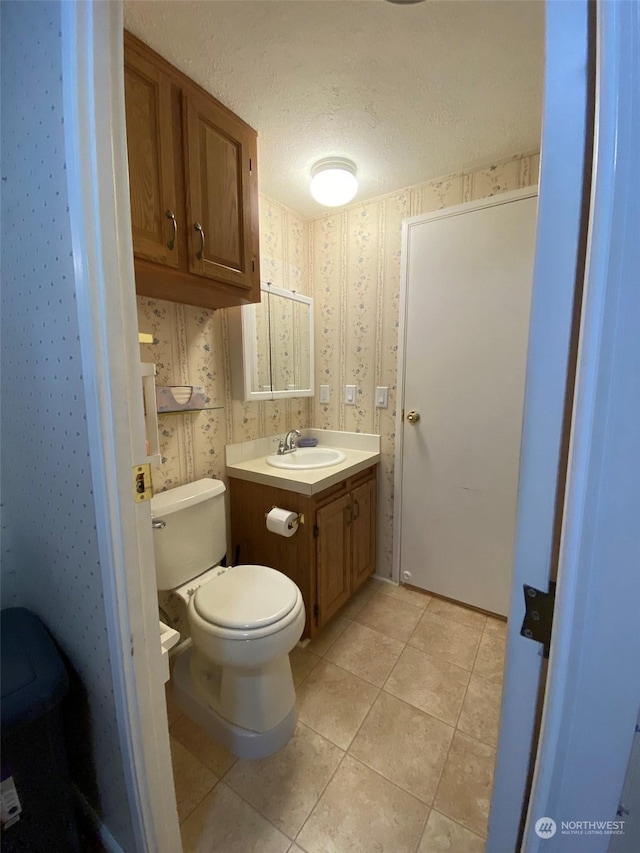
(250,166)
(142,489)
(316,612)
(538,617)
(253,265)
(316,531)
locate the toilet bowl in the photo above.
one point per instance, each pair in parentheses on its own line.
(234,679)
(244,622)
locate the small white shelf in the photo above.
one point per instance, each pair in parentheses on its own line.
(182,399)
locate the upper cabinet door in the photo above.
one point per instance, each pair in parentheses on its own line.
(222,195)
(152,182)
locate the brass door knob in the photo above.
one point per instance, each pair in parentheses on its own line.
(413,417)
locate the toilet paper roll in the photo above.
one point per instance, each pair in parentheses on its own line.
(282,521)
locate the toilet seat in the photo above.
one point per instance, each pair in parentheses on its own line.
(247,602)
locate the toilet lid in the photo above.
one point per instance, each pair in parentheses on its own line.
(246,597)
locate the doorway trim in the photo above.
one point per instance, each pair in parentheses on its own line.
(593,686)
(557,274)
(97,180)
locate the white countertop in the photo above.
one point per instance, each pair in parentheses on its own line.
(313,481)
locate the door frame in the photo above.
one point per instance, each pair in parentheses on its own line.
(407,226)
(593,685)
(592,692)
(558,274)
(98,186)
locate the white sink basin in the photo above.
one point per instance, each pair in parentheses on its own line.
(305,458)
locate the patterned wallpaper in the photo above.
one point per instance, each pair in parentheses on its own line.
(190,348)
(50,557)
(349,261)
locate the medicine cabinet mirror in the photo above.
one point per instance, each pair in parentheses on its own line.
(271,346)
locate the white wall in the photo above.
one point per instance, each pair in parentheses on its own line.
(50,558)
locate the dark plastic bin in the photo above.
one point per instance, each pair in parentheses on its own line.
(37,803)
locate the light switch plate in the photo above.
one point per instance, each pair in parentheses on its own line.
(350,395)
(324,393)
(382,396)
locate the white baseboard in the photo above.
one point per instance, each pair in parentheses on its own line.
(386,580)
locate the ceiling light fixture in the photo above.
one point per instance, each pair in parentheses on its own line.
(333,181)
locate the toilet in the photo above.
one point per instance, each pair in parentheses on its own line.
(233,678)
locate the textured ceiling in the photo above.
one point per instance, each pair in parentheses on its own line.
(407,92)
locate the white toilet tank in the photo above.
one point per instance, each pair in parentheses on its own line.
(194,535)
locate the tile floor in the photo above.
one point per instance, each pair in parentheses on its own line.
(398,704)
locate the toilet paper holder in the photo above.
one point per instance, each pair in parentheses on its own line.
(299,519)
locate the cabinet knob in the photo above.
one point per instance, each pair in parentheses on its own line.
(413,417)
(197,227)
(171,244)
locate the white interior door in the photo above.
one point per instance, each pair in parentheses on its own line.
(468,292)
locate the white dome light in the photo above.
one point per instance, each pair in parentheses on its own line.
(333,181)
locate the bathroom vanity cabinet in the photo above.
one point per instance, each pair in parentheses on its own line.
(331,554)
(193,187)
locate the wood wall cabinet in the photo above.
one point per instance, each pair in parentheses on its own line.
(193,186)
(152,179)
(329,557)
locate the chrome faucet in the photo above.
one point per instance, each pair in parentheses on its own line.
(287,445)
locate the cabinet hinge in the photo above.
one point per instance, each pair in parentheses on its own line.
(250,166)
(142,490)
(253,265)
(316,531)
(316,612)
(538,617)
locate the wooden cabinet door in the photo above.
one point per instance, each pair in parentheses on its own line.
(334,586)
(363,532)
(152,181)
(222,195)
